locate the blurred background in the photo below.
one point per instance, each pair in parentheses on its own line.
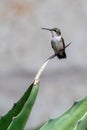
(24,47)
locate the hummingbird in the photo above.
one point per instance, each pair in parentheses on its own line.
(57,42)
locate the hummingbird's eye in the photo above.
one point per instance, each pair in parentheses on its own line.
(55,30)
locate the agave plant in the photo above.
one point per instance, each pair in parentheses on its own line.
(73,119)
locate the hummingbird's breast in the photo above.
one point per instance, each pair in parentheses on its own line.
(57,43)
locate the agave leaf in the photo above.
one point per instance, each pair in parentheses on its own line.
(82,123)
(19,122)
(7,119)
(68,120)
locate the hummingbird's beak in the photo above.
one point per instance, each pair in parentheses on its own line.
(47,29)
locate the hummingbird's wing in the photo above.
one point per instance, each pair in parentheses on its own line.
(63,43)
(52,43)
(62,53)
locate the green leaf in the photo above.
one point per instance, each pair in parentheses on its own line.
(69,119)
(82,123)
(16,118)
(19,122)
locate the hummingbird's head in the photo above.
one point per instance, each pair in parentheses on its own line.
(56,30)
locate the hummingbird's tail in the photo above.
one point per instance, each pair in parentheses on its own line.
(61,55)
